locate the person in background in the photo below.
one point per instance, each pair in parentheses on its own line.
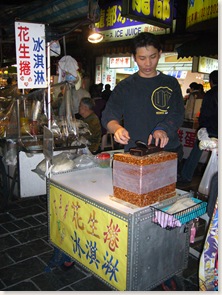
(100,88)
(201,96)
(208,119)
(88,116)
(150,102)
(107,92)
(79,94)
(190,104)
(201,88)
(100,103)
(186,96)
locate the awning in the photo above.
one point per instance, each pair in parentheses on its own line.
(202,46)
(55,13)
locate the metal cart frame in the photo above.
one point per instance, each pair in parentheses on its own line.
(153,254)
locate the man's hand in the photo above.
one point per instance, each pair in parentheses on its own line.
(121,135)
(160,138)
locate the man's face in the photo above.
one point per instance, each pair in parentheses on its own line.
(147,59)
(81,109)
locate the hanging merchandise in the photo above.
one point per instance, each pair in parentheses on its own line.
(68,67)
(210,171)
(55,48)
(206,142)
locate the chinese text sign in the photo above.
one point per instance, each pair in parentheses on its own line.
(114,26)
(30,55)
(199,11)
(91,235)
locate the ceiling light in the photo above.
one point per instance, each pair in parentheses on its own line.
(94,36)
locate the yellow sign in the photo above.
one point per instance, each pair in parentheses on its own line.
(207,64)
(91,235)
(199,10)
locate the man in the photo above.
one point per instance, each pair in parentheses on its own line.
(195,96)
(209,119)
(88,116)
(149,102)
(107,92)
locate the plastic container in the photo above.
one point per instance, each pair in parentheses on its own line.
(103,160)
(171,221)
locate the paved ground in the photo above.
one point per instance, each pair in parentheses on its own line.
(25,253)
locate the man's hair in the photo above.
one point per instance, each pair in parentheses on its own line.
(89,102)
(143,40)
(214,77)
(194,86)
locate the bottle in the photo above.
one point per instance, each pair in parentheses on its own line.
(192,233)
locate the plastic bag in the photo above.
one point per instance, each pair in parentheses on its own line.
(211,169)
(210,144)
(202,134)
(65,162)
(10,157)
(85,161)
(60,163)
(206,143)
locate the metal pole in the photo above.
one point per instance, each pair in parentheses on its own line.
(64,45)
(49,101)
(49,86)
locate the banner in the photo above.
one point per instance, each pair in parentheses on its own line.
(30,55)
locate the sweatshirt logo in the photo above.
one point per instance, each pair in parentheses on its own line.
(160,99)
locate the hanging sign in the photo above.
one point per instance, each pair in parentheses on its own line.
(199,11)
(204,64)
(98,74)
(30,55)
(115,26)
(120,62)
(154,12)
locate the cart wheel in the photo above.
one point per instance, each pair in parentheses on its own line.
(173,284)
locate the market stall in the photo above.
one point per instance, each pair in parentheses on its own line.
(117,241)
(22,122)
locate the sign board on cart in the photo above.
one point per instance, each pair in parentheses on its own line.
(91,235)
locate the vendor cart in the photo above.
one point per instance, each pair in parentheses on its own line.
(21,139)
(116,241)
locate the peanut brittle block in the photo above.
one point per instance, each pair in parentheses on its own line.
(144,180)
